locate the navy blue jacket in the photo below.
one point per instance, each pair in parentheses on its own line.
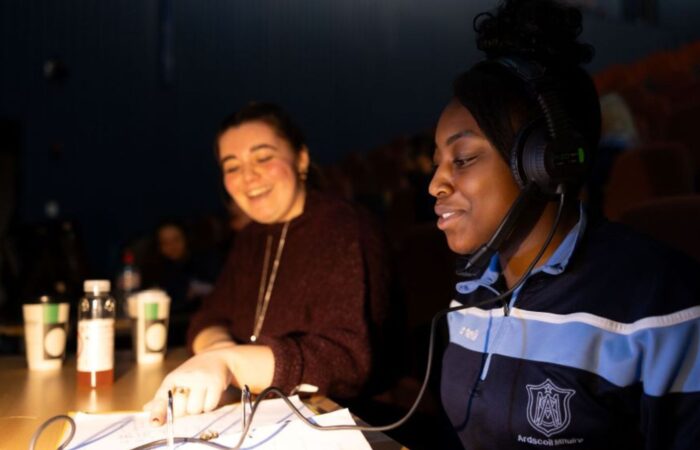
(601,350)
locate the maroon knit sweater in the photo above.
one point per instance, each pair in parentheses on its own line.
(331,288)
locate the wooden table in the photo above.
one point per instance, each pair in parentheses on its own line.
(28,398)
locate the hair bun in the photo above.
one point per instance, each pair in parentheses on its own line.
(543,30)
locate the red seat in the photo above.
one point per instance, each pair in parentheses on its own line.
(673,220)
(647,172)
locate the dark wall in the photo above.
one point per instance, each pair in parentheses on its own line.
(117,141)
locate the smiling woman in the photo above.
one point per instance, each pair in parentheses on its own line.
(472,183)
(572,332)
(263,171)
(304,287)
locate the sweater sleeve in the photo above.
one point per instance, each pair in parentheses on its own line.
(334,352)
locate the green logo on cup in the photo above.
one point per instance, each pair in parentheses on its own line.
(151,311)
(51,313)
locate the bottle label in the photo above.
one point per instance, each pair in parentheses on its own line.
(95,345)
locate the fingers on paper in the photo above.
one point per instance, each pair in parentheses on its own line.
(158,408)
(195,400)
(180,400)
(211,400)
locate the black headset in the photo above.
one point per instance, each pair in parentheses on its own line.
(548,152)
(548,156)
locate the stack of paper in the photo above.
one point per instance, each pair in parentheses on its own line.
(274,427)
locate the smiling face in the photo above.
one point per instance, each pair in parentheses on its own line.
(472,184)
(261,172)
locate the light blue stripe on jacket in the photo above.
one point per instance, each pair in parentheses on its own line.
(662,352)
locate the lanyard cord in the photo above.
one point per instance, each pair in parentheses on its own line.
(296,412)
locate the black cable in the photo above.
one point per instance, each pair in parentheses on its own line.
(273,390)
(473,265)
(431,345)
(179,441)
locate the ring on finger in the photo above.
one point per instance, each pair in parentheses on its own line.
(181,390)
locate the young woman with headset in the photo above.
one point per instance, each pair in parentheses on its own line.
(565,333)
(595,343)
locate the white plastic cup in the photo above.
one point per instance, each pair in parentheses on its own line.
(45,328)
(149,311)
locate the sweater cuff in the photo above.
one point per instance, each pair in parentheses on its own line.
(288,362)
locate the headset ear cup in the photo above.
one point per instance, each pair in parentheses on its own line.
(529,157)
(515,160)
(547,152)
(516,156)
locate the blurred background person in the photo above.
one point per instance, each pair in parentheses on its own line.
(185,274)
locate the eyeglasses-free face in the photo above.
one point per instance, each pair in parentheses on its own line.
(472,184)
(261,172)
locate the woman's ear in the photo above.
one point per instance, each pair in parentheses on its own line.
(303,160)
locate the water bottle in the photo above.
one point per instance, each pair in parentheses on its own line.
(96,313)
(128,282)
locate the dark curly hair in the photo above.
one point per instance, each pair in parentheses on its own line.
(543,31)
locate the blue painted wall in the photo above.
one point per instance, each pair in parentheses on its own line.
(117,148)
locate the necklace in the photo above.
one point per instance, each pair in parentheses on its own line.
(266,285)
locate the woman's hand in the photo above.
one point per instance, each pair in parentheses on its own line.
(197,384)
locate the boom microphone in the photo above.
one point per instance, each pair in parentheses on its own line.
(473,265)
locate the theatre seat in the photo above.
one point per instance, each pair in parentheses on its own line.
(651,171)
(426,278)
(673,220)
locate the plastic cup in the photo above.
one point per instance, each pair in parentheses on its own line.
(149,311)
(45,328)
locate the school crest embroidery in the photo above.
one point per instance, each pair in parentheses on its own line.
(548,408)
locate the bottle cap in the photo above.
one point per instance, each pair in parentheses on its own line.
(96,286)
(128,258)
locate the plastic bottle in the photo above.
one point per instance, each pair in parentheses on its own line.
(96,313)
(128,281)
